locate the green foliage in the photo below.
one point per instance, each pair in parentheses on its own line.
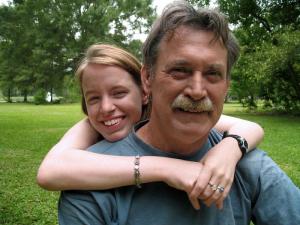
(268,32)
(39,97)
(42,41)
(71,92)
(269,35)
(282,73)
(270,72)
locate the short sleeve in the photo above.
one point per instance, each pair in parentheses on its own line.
(80,208)
(277,197)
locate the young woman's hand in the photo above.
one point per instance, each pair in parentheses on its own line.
(216,177)
(182,175)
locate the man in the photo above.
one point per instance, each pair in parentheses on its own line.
(188,56)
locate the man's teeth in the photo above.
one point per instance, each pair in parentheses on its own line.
(112,122)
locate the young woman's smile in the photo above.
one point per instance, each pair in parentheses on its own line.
(113,100)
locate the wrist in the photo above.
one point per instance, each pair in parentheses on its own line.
(242,143)
(232,146)
(136,171)
(153,169)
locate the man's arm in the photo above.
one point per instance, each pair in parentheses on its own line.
(275,198)
(278,199)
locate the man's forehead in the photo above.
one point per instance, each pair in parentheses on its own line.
(185,39)
(181,33)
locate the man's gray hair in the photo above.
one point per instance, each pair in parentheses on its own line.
(181,13)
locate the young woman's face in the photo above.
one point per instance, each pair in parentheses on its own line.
(113,100)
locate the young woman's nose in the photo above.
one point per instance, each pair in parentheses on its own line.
(107,106)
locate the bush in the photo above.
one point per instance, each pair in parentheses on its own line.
(39,97)
(71,92)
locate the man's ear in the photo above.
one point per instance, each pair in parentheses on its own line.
(227,87)
(146,84)
(228,84)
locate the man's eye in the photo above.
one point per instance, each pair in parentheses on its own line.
(179,72)
(214,73)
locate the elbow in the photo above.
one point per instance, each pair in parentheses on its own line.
(260,131)
(45,179)
(42,181)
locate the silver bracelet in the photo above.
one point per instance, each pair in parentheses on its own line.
(137,174)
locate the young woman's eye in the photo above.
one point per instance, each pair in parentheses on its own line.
(93,99)
(120,94)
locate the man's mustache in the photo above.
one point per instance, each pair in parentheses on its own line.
(187,104)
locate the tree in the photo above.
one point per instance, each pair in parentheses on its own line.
(281,76)
(269,39)
(43,40)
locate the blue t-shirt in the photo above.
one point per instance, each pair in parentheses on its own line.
(261,192)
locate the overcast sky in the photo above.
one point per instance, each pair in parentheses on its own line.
(159,3)
(3,2)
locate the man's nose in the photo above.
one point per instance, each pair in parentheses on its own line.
(196,87)
(107,106)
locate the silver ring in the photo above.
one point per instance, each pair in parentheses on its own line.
(214,187)
(220,189)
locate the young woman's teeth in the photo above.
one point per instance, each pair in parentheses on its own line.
(111,122)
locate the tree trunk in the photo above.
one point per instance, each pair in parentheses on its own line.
(51,95)
(9,95)
(25,96)
(226,99)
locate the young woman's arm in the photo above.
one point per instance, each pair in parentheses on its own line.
(68,167)
(220,162)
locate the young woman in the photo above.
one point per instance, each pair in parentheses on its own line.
(113,100)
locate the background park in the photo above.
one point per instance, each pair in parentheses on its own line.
(42,41)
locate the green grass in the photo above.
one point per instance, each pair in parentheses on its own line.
(281,141)
(28,131)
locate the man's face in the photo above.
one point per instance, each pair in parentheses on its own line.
(190,70)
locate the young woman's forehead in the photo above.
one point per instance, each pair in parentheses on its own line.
(99,76)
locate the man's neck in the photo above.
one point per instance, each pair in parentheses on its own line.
(169,142)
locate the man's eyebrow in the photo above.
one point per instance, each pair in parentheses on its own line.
(216,66)
(177,62)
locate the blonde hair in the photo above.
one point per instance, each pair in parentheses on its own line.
(105,54)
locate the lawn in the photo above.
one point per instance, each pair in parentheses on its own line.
(28,131)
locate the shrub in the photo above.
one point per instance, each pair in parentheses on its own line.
(40,97)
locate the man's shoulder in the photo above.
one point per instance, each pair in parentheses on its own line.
(82,207)
(253,162)
(257,171)
(124,146)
